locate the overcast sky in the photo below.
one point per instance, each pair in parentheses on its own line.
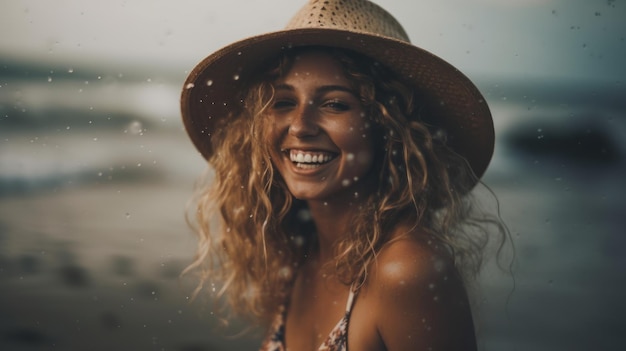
(536,38)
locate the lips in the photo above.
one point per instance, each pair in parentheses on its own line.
(310,159)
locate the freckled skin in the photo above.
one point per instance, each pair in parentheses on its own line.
(316,110)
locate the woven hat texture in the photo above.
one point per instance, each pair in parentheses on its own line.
(450,100)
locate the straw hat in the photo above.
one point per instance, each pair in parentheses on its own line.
(452,101)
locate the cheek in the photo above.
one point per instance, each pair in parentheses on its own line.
(363,158)
(367,152)
(360,147)
(358,135)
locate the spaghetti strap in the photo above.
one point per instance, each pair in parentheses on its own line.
(350,301)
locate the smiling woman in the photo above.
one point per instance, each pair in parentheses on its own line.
(341,179)
(320,139)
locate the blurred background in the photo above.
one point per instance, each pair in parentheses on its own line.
(96,169)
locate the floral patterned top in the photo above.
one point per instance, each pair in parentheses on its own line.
(337,340)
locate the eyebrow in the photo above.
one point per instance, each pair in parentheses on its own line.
(319,90)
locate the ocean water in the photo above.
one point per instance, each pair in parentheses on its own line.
(96,171)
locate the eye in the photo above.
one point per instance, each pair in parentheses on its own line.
(336,105)
(281,104)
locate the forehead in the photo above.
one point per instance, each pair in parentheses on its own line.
(315,65)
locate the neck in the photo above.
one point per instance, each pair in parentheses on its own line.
(333,219)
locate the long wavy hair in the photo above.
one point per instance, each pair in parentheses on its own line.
(253,234)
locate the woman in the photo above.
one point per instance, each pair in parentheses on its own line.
(343,157)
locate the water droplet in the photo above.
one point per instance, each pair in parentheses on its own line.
(304,215)
(350,157)
(298,240)
(236,77)
(345,182)
(209,82)
(127,215)
(135,127)
(285,272)
(189,86)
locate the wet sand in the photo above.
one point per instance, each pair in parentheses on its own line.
(97,268)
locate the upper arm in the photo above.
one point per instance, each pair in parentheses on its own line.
(422,302)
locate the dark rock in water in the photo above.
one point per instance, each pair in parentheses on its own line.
(26,336)
(74,276)
(585,144)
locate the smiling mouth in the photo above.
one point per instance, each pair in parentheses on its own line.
(310,159)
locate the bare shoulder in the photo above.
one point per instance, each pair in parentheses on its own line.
(411,263)
(421,297)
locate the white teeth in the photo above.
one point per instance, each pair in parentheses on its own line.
(309,157)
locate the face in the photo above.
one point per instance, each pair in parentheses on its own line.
(320,137)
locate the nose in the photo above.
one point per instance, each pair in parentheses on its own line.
(304,123)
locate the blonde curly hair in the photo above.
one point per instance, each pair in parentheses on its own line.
(253,234)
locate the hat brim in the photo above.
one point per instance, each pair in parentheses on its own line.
(450,100)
